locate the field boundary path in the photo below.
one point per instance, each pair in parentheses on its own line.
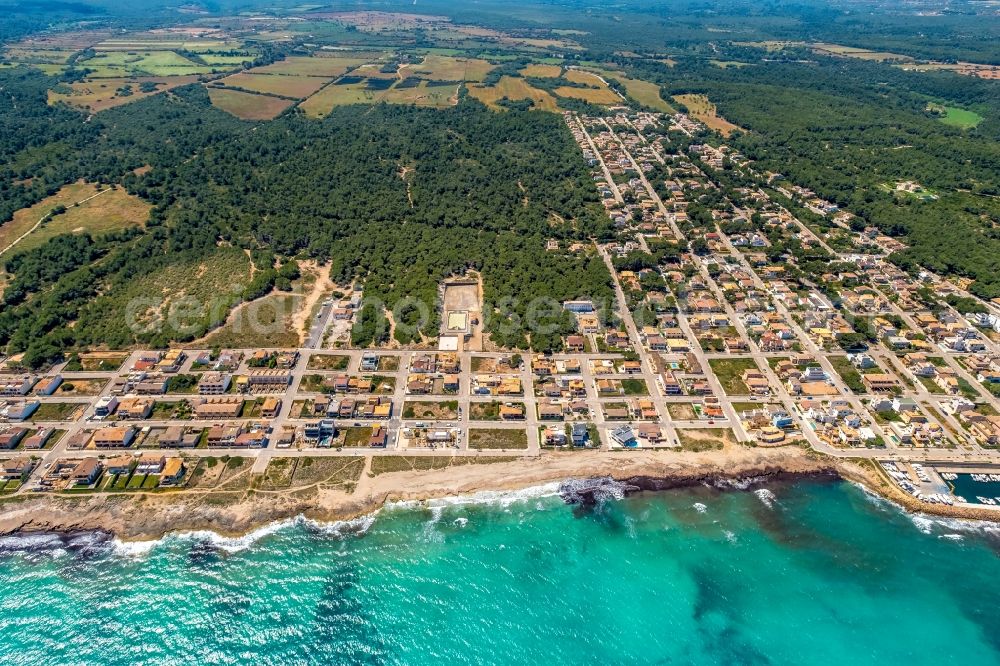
(47,216)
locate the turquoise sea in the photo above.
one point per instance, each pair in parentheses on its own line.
(807,572)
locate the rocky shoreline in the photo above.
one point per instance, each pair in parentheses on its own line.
(150,517)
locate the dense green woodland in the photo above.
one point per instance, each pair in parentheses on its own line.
(402,197)
(398,196)
(850,130)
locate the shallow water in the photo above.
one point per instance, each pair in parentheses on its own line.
(784,573)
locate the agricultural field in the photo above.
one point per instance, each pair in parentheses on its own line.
(445,68)
(425,94)
(374,71)
(248,106)
(541,71)
(596,91)
(726,64)
(585,78)
(312,66)
(40,56)
(513,89)
(333,95)
(853,52)
(702,110)
(646,93)
(114,64)
(293,87)
(102,212)
(100,94)
(603,95)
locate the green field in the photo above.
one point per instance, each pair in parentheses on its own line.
(961,118)
(152,63)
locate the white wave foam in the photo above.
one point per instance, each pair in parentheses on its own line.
(500,498)
(29,541)
(730,536)
(739,483)
(342,528)
(460,522)
(339,529)
(766,497)
(925,522)
(699,507)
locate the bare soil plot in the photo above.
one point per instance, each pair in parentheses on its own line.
(81,386)
(513,89)
(388,363)
(390,464)
(247,105)
(509,438)
(705,439)
(328,362)
(730,373)
(278,473)
(98,361)
(357,436)
(681,411)
(432,411)
(297,87)
(59,411)
(702,110)
(484,411)
(334,471)
(265,322)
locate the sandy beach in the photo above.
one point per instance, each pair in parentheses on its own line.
(147,516)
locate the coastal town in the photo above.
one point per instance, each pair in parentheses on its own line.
(747,313)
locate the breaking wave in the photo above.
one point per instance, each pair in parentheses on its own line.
(590,492)
(766,497)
